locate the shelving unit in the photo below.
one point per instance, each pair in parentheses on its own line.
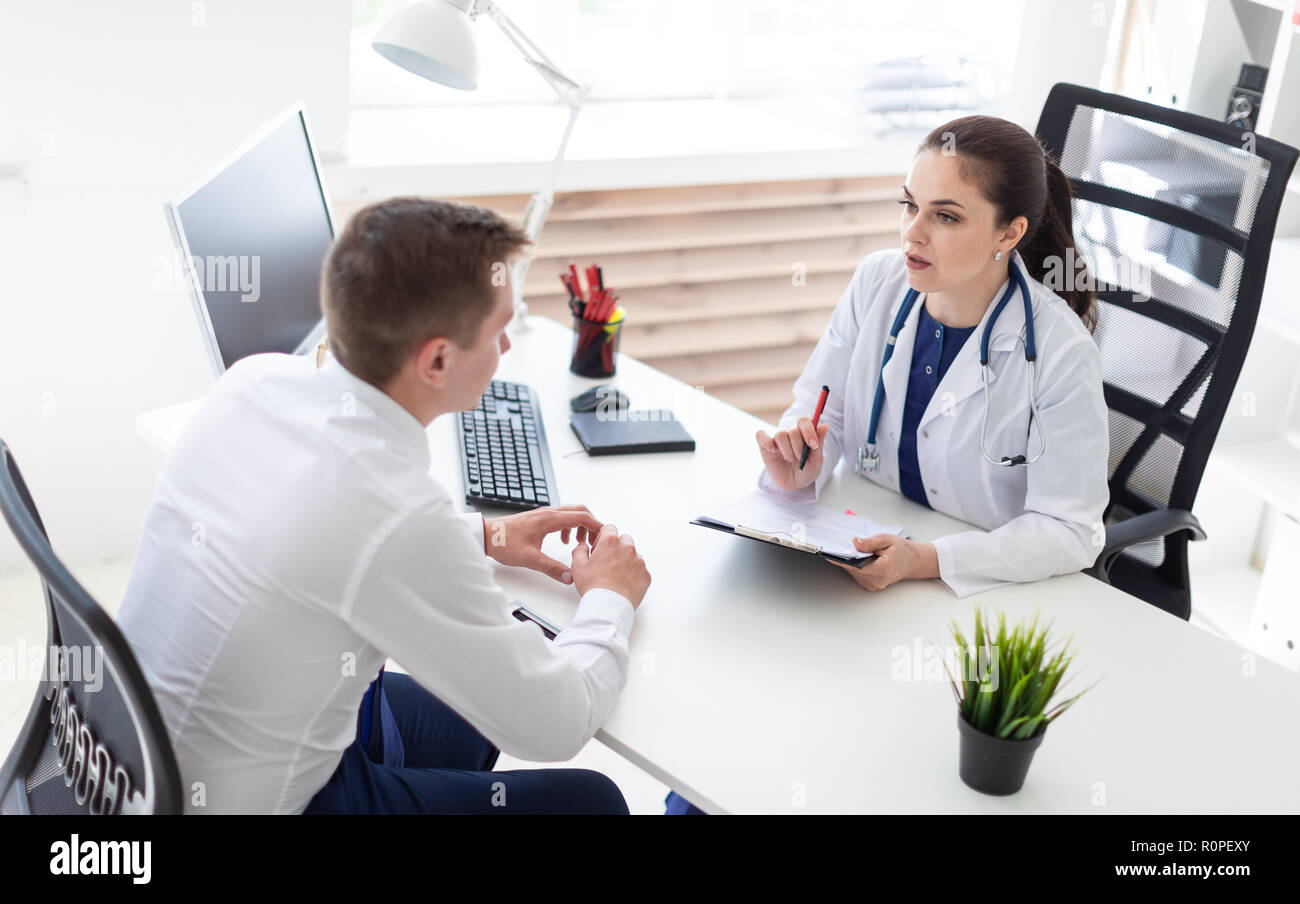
(1188,54)
(1205,42)
(1250,497)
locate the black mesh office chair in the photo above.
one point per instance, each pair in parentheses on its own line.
(1175,215)
(94,741)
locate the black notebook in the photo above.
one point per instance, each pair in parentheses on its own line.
(623,432)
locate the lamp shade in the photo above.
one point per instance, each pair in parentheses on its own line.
(433,39)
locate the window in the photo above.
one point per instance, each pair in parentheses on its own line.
(842,71)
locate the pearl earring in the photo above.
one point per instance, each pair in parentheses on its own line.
(998,256)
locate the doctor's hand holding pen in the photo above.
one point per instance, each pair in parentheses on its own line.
(781,453)
(793,458)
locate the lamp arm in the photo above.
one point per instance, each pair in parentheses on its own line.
(534,218)
(539,207)
(568,90)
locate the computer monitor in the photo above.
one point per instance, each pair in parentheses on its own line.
(251,236)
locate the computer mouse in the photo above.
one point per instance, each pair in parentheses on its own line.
(605,397)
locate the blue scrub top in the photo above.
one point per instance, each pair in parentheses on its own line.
(936,346)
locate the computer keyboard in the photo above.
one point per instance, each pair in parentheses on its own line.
(504,457)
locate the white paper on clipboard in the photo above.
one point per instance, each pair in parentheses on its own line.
(801,525)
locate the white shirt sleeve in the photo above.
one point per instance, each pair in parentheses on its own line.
(827,366)
(1061,530)
(424,595)
(477,527)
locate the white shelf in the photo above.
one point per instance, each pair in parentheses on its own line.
(1223,600)
(1278,309)
(1269,469)
(1277,111)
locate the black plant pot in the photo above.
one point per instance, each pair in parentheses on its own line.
(994,765)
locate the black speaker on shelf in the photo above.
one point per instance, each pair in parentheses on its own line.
(1244,100)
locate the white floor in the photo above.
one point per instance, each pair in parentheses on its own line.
(22,624)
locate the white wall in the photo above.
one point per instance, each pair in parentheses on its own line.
(1060,41)
(105,111)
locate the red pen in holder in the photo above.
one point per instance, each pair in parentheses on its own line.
(597,323)
(595,347)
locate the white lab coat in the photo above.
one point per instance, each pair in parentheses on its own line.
(1039,520)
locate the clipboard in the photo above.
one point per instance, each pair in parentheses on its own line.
(783,538)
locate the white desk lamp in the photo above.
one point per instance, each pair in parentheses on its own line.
(434,40)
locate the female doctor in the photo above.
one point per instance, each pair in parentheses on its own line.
(1017,447)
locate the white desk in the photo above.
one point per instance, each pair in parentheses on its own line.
(764,681)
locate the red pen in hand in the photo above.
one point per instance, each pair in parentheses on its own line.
(821,403)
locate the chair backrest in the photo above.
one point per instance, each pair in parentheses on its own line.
(1175,215)
(94,741)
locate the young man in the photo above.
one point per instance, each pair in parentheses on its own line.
(296,541)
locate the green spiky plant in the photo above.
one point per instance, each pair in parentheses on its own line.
(1029,673)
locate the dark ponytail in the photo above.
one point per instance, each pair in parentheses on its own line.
(1019,177)
(1054,240)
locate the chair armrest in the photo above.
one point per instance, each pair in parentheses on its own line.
(1139,529)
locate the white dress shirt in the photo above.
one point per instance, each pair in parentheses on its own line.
(295,542)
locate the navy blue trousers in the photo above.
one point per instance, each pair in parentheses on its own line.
(676,805)
(448,770)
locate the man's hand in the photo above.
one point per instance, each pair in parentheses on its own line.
(896,560)
(781,453)
(517,539)
(612,563)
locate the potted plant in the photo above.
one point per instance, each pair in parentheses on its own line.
(1003,694)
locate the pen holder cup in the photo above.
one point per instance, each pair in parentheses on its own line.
(595,347)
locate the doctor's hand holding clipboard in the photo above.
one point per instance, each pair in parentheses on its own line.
(793,459)
(962,372)
(896,557)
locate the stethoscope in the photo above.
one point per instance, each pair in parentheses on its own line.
(869,457)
